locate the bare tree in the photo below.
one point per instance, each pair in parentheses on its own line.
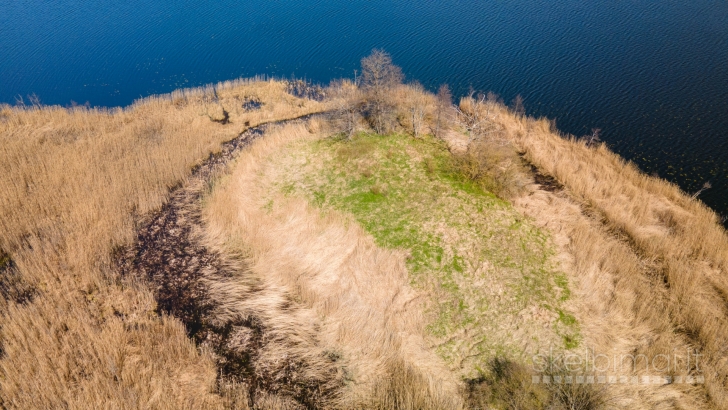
(444,108)
(378,77)
(517,106)
(346,100)
(417,108)
(475,115)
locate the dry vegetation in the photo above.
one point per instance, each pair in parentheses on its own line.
(652,260)
(647,261)
(75,334)
(296,305)
(344,297)
(485,274)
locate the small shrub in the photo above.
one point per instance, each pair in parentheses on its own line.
(495,167)
(506,385)
(509,385)
(347,102)
(571,394)
(4,259)
(251,103)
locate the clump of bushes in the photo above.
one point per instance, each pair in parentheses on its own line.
(347,100)
(490,159)
(506,384)
(494,167)
(251,103)
(304,89)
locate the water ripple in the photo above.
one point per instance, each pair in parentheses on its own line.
(651,74)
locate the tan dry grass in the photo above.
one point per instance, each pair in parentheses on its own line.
(650,261)
(620,308)
(488,286)
(349,296)
(73,184)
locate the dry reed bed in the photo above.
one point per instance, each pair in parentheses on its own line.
(648,262)
(259,363)
(619,306)
(74,334)
(321,280)
(665,253)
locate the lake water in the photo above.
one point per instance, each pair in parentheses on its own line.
(653,75)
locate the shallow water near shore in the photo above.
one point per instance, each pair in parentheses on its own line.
(653,76)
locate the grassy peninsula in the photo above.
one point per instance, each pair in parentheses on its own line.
(271,244)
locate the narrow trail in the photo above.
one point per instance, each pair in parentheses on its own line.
(170,255)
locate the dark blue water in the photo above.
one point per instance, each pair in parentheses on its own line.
(652,75)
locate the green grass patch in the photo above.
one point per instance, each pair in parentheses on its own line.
(494,290)
(4,259)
